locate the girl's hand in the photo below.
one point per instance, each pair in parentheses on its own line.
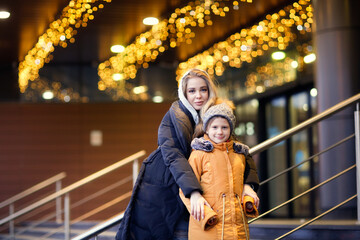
(197,203)
(248,191)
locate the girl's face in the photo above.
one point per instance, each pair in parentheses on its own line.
(218,130)
(197,92)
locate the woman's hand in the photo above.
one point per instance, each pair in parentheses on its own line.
(197,203)
(248,191)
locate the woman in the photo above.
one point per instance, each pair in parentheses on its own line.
(155,210)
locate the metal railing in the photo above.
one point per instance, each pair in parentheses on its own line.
(65,192)
(302,194)
(11,201)
(304,125)
(79,203)
(101,227)
(94,232)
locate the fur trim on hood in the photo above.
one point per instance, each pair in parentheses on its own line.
(207,146)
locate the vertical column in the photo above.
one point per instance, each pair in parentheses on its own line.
(357,151)
(336,38)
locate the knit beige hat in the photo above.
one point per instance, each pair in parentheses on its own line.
(219,110)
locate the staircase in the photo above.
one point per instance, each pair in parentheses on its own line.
(54,231)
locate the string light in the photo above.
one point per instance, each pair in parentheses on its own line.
(271,75)
(275,32)
(60,93)
(168,33)
(75,15)
(4,14)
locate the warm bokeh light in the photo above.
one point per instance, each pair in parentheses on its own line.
(117,48)
(313,92)
(4,14)
(272,34)
(294,64)
(47,95)
(75,15)
(168,33)
(157,99)
(278,55)
(117,77)
(140,89)
(150,21)
(310,58)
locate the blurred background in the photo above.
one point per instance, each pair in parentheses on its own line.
(72,70)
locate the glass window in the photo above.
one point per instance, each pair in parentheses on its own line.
(276,155)
(299,112)
(246,122)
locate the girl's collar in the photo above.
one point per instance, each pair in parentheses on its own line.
(205,144)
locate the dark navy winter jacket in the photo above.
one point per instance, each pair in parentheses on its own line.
(155,206)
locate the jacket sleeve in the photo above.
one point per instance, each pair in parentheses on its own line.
(195,163)
(209,213)
(174,154)
(251,176)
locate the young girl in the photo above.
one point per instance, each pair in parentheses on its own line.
(219,164)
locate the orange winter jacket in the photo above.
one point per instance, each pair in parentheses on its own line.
(220,171)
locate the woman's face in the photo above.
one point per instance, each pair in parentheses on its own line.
(218,130)
(197,92)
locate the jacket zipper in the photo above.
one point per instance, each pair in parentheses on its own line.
(223,217)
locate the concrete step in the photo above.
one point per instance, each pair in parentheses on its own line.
(264,229)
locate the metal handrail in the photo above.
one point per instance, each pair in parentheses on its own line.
(311,121)
(91,213)
(303,193)
(78,203)
(307,160)
(73,186)
(100,227)
(33,189)
(316,218)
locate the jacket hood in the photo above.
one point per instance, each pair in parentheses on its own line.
(207,146)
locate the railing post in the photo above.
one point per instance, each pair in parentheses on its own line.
(58,202)
(357,154)
(11,223)
(135,170)
(67,217)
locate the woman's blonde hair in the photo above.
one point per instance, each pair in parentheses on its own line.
(212,88)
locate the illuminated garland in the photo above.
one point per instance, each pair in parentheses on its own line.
(59,91)
(75,15)
(276,73)
(270,75)
(169,33)
(275,32)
